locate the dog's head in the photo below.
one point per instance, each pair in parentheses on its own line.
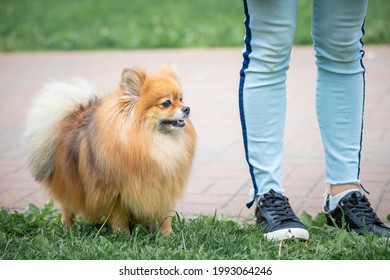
(156,99)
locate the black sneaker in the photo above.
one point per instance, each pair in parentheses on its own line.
(355,213)
(275,215)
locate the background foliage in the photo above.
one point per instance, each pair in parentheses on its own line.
(139,24)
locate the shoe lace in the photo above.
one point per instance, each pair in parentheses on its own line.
(361,207)
(278,206)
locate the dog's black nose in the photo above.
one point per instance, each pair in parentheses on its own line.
(186,110)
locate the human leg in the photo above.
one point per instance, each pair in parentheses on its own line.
(337,30)
(270,28)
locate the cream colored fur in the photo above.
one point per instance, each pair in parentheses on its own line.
(54,102)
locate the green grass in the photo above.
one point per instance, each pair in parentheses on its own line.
(139,24)
(38,234)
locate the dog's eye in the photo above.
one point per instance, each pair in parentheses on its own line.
(181,99)
(166,104)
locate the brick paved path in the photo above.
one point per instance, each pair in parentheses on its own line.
(220,181)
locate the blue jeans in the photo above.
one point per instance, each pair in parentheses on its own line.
(337,29)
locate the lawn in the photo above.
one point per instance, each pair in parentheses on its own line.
(122,24)
(39,234)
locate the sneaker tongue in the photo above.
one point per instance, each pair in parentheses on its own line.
(356,198)
(272,193)
(273,197)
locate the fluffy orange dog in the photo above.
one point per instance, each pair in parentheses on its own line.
(124,156)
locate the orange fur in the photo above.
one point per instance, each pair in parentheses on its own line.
(125,153)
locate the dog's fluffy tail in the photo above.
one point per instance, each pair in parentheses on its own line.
(55,101)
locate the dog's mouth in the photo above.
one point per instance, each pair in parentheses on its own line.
(173,123)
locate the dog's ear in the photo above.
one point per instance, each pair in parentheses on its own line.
(132,80)
(169,70)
